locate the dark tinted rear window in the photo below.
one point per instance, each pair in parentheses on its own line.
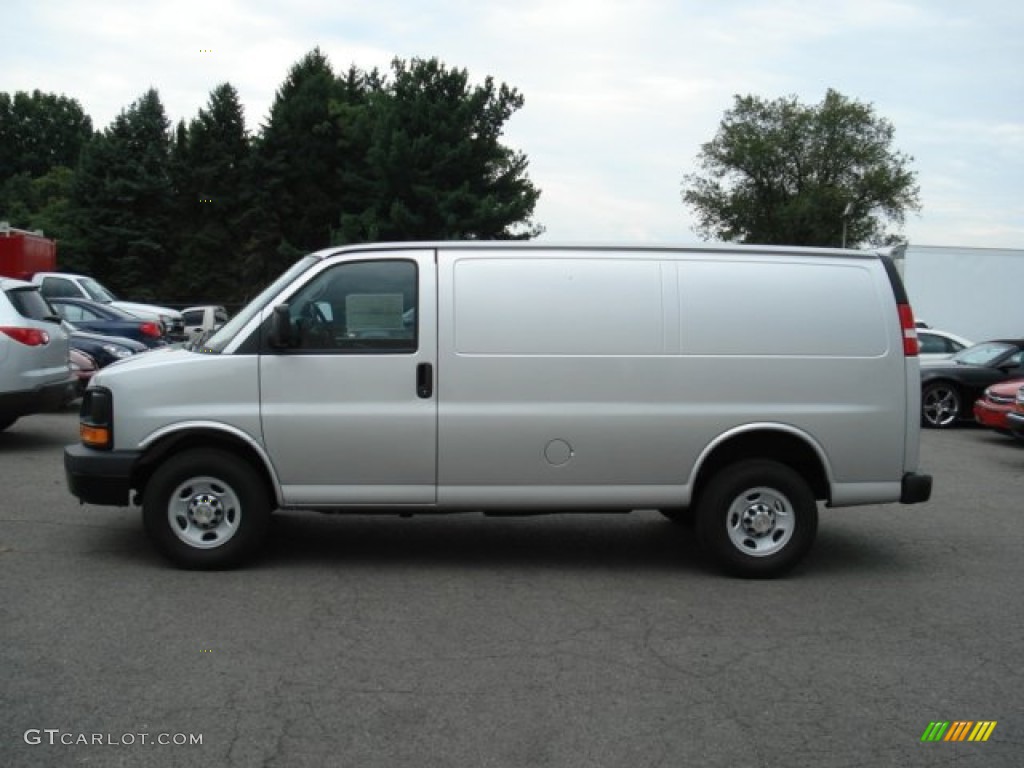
(935,345)
(30,303)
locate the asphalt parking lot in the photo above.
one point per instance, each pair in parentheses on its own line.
(586,640)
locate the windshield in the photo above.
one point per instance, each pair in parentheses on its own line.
(220,339)
(97,292)
(985,353)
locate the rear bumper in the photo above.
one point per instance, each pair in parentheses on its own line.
(49,397)
(99,477)
(915,488)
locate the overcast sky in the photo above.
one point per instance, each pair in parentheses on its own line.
(620,94)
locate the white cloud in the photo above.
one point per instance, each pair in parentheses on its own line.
(619,95)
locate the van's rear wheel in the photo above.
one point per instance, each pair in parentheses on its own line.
(757,518)
(206,509)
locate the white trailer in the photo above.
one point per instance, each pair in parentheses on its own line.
(973,292)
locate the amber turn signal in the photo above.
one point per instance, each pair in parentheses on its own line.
(95,437)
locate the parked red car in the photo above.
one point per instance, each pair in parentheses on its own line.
(83,366)
(992,409)
(1015,418)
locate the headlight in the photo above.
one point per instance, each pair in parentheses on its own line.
(96,416)
(110,349)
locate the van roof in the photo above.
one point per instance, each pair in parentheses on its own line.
(535,245)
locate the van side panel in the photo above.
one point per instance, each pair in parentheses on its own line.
(777,308)
(559,306)
(598,378)
(812,342)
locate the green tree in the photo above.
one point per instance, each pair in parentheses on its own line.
(124,201)
(211,169)
(41,139)
(44,203)
(436,167)
(781,172)
(40,131)
(298,158)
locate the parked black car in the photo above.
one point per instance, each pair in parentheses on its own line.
(950,387)
(101,348)
(110,321)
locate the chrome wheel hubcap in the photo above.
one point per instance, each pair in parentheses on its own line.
(760,521)
(940,406)
(204,512)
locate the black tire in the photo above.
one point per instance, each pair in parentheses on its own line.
(757,518)
(206,509)
(684,516)
(941,405)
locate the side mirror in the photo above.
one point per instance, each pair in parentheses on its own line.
(281,335)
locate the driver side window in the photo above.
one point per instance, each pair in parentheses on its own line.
(362,307)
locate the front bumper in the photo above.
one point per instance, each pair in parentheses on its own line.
(915,488)
(99,477)
(991,416)
(1015,423)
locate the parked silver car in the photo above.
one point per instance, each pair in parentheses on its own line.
(35,374)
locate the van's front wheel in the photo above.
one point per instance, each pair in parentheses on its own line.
(757,518)
(206,509)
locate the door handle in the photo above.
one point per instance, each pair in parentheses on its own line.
(424,380)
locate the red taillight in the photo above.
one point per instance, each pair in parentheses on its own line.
(30,337)
(911,345)
(150,329)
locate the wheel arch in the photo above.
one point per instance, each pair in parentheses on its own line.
(166,443)
(782,443)
(947,380)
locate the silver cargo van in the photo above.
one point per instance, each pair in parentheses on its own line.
(731,387)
